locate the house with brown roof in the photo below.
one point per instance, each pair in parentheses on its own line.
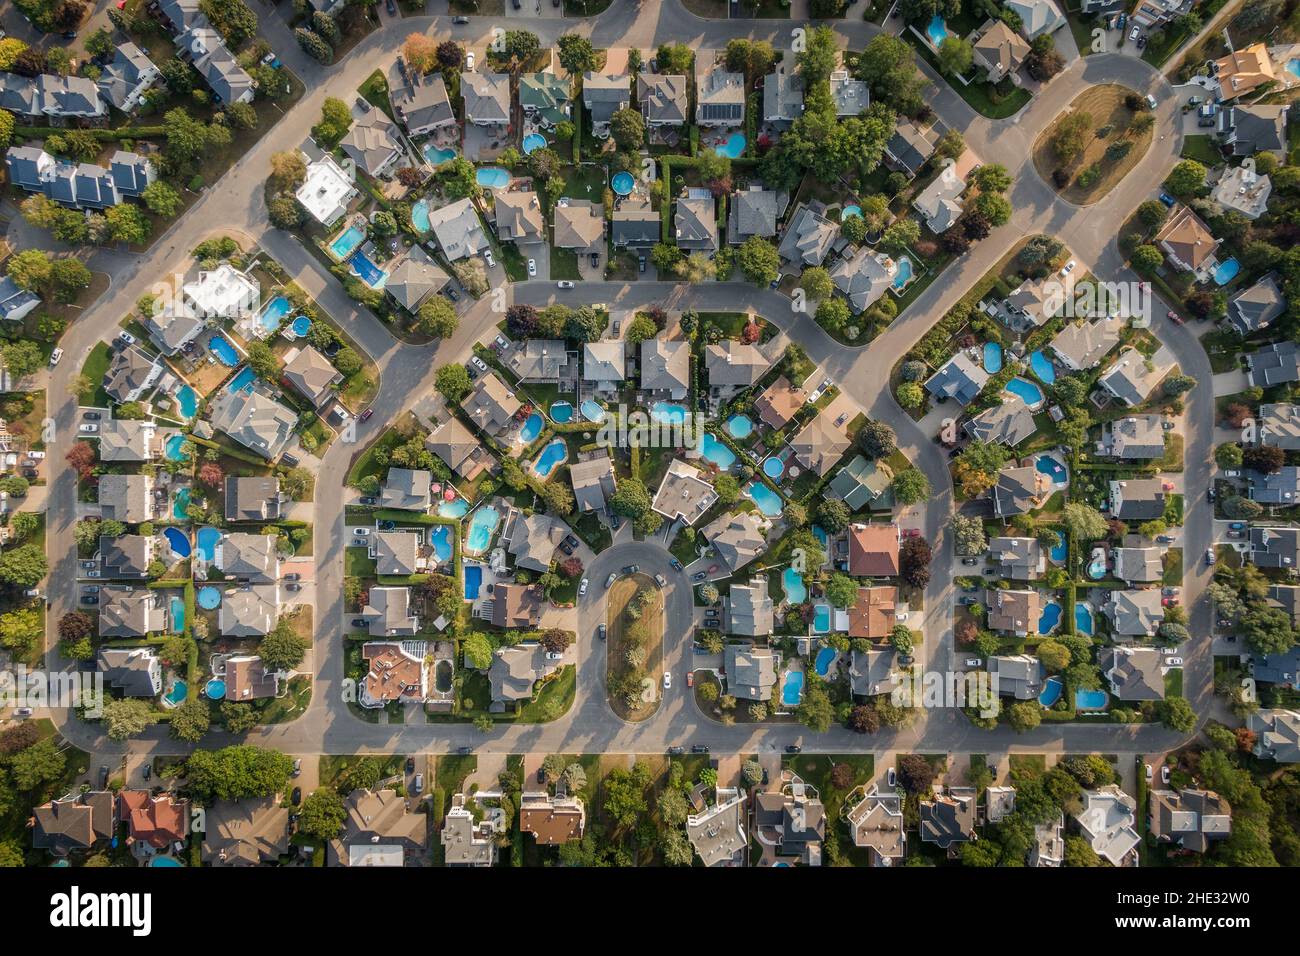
(248,678)
(873,550)
(999,50)
(516,605)
(873,614)
(820,444)
(460,451)
(552,820)
(311,375)
(1013,612)
(245,832)
(1188,243)
(395,671)
(779,403)
(491,406)
(579,224)
(1243,71)
(519,217)
(154,823)
(684,494)
(380,830)
(76,822)
(514,671)
(737,538)
(876,822)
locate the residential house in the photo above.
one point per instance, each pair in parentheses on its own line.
(1137,499)
(696,224)
(1241,189)
(1013,612)
(209,55)
(664,100)
(719,95)
(253,499)
(1275,364)
(154,823)
(396,553)
(1080,345)
(407,489)
(792,821)
(999,50)
(248,678)
(249,611)
(414,279)
(1028,306)
(1136,563)
(948,819)
(684,494)
(1134,377)
(718,832)
(423,105)
(1020,559)
(909,148)
(1279,425)
(635,226)
(134,671)
(77,821)
(961,377)
(751,672)
(874,613)
(15,303)
(517,605)
(604,364)
(820,444)
(1018,490)
(545,97)
(459,450)
(458,230)
(127,440)
(552,820)
(515,671)
(486,98)
(125,611)
(876,822)
(125,557)
(593,480)
(379,830)
(1019,676)
(580,225)
(1135,673)
(999,803)
(737,538)
(396,671)
(783,91)
(1254,309)
(1275,547)
(540,360)
(1037,17)
(779,403)
(52,96)
(1277,734)
(127,77)
(1192,819)
(465,840)
(875,671)
(1279,488)
(533,540)
(519,216)
(864,277)
(249,557)
(851,96)
(1134,438)
(1188,243)
(734,366)
(388,613)
(311,375)
(223,293)
(249,832)
(1108,820)
(171,326)
(754,212)
(84,186)
(491,406)
(1243,71)
(1134,613)
(808,237)
(939,203)
(327,190)
(1008,423)
(666,368)
(254,420)
(604,95)
(863,483)
(373,143)
(873,550)
(749,609)
(126,498)
(1049,843)
(1258,128)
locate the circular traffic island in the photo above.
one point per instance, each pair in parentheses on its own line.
(634,658)
(1095,142)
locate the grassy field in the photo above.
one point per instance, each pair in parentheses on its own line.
(619,624)
(1105,106)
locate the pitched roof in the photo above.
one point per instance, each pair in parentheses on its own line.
(872,614)
(1241,71)
(253,419)
(751,671)
(779,402)
(372,142)
(663,98)
(665,365)
(486,96)
(246,832)
(578,223)
(249,611)
(873,550)
(738,538)
(808,237)
(490,405)
(593,481)
(519,217)
(1135,673)
(312,374)
(1081,345)
(250,556)
(820,444)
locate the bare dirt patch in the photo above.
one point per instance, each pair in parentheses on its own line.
(1113,143)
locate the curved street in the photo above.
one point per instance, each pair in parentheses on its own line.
(235,206)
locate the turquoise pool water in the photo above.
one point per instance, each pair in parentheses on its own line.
(768,501)
(206,541)
(223,350)
(275,310)
(242,380)
(347,240)
(420,216)
(176,695)
(733,148)
(1059,550)
(531,428)
(554,453)
(209,598)
(792,689)
(1050,618)
(1097,566)
(215,689)
(436,156)
(848,212)
(622,183)
(473,581)
(716,452)
(903,274)
(492,177)
(440,541)
(453,509)
(163,862)
(366,270)
(822,625)
(1030,393)
(740,426)
(796,592)
(177,541)
(561,413)
(301,326)
(668,413)
(533,142)
(826,656)
(1293,67)
(172,450)
(188,400)
(592,411)
(481,527)
(1053,469)
(937,31)
(1226,272)
(992,357)
(177,607)
(1042,366)
(1051,692)
(180,503)
(820,534)
(773,467)
(1083,619)
(1091,699)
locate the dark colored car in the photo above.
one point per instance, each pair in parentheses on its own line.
(700,749)
(103,778)
(296,796)
(410,765)
(571,541)
(293,576)
(293,586)
(631,569)
(464,750)
(674,751)
(360,622)
(289,460)
(793,749)
(677,565)
(460,21)
(566,547)
(541,774)
(699,576)
(365,416)
(91,416)
(601,631)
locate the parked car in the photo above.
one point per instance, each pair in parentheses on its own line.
(419,783)
(469,61)
(293,586)
(290,460)
(609,581)
(690,678)
(89,428)
(661,580)
(699,576)
(700,749)
(90,599)
(532,268)
(296,796)
(146,771)
(676,565)
(969,562)
(1174,317)
(410,765)
(793,749)
(892,777)
(1168,200)
(668,680)
(365,416)
(631,569)
(459,21)
(1174,661)
(565,284)
(566,547)
(55,356)
(22,713)
(554,656)
(487,254)
(582,587)
(1164,774)
(1151,101)
(464,751)
(361,532)
(595,260)
(1209,555)
(1146,772)
(972,662)
(1067,268)
(368,500)
(676,751)
(479,364)
(1135,32)
(360,622)
(601,633)
(640,263)
(91,589)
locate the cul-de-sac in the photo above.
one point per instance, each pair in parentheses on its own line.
(698,433)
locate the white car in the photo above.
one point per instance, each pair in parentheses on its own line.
(1067,269)
(469,60)
(479,364)
(1147,769)
(361,532)
(972,662)
(1164,774)
(127,337)
(532,267)
(1135,32)
(565,284)
(1174,662)
(89,429)
(582,588)
(1151,101)
(487,254)
(55,356)
(668,680)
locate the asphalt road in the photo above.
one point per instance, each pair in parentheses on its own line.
(234,206)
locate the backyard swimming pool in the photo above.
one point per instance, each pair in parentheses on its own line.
(716,452)
(1097,564)
(733,148)
(180,503)
(177,607)
(173,449)
(1083,618)
(992,357)
(188,400)
(481,527)
(242,380)
(1050,618)
(1027,391)
(492,177)
(215,689)
(668,413)
(440,541)
(176,695)
(453,509)
(937,31)
(178,542)
(796,592)
(820,534)
(561,413)
(1226,272)
(1051,692)
(206,541)
(792,689)
(473,581)
(301,326)
(903,273)
(554,453)
(768,501)
(1048,465)
(531,428)
(822,625)
(825,658)
(622,183)
(773,467)
(1059,550)
(366,270)
(849,212)
(223,350)
(1042,366)
(1091,699)
(209,598)
(533,142)
(420,216)
(436,156)
(346,241)
(739,426)
(592,411)
(1293,67)
(275,310)
(161,862)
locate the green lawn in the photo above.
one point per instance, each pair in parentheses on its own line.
(357,563)
(584,182)
(375,90)
(564,264)
(96,365)
(1202,149)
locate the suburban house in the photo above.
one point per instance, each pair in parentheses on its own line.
(1019,676)
(373,143)
(948,819)
(311,374)
(1277,734)
(249,678)
(552,820)
(738,538)
(579,224)
(458,230)
(635,226)
(1188,243)
(327,190)
(249,557)
(779,403)
(396,671)
(874,672)
(407,489)
(1275,547)
(154,823)
(909,148)
(459,450)
(1018,490)
(604,95)
(127,77)
(379,830)
(873,549)
(666,368)
(1135,673)
(125,557)
(593,480)
(74,822)
(51,96)
(664,100)
(490,406)
(1137,499)
(782,97)
(734,366)
(207,52)
(1037,17)
(514,672)
(864,277)
(517,605)
(1080,345)
(1021,559)
(1281,487)
(1134,438)
(544,97)
(718,832)
(249,611)
(533,540)
(1049,843)
(388,613)
(1242,71)
(423,105)
(1255,308)
(124,439)
(1013,612)
(255,420)
(134,671)
(1134,613)
(249,832)
(1108,821)
(874,613)
(820,444)
(465,840)
(397,553)
(876,822)
(791,821)
(604,364)
(851,96)
(719,95)
(171,326)
(1279,424)
(414,279)
(1258,128)
(749,609)
(16,303)
(84,186)
(1274,364)
(695,223)
(253,499)
(684,494)
(486,98)
(126,498)
(130,374)
(519,217)
(1008,424)
(751,671)
(1134,376)
(754,212)
(961,378)
(863,483)
(1138,564)
(808,237)
(1192,819)
(939,203)
(999,50)
(125,611)
(1243,190)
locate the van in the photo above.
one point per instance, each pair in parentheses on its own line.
(419,783)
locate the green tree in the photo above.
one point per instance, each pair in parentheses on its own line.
(816,282)
(1176,713)
(335,121)
(759,261)
(911,486)
(162,199)
(453,381)
(577,55)
(126,223)
(190,720)
(23,566)
(237,772)
(282,649)
(30,269)
(956,56)
(1084,521)
(323,814)
(628,129)
(438,317)
(1186,179)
